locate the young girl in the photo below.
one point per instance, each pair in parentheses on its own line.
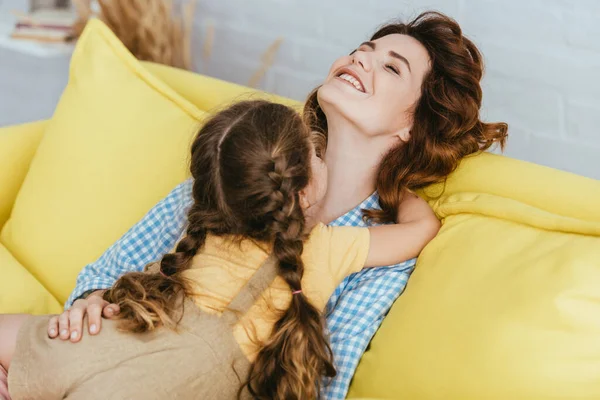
(235,311)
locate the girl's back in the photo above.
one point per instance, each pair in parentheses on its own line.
(224,266)
(255,172)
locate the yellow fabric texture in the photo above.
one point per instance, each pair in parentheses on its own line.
(505,302)
(222,267)
(20,292)
(208,93)
(118,142)
(17,147)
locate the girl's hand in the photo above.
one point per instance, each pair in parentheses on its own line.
(416,226)
(69,324)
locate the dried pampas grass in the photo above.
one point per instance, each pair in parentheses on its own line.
(150,29)
(208,46)
(153,30)
(266,61)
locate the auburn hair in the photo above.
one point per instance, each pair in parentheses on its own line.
(446,121)
(249,163)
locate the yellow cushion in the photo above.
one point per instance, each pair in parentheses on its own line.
(20,292)
(209,93)
(17,147)
(117,143)
(505,302)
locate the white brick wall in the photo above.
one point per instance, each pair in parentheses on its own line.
(542,57)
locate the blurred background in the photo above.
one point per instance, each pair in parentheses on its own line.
(542,57)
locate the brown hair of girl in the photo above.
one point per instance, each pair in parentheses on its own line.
(249,163)
(446,124)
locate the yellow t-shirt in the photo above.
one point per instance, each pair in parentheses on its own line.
(221,268)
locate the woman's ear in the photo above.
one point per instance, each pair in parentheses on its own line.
(404,134)
(304,203)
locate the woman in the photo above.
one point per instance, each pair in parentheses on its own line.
(399,112)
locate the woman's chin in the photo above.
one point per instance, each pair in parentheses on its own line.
(328,93)
(335,100)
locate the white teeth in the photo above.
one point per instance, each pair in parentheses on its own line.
(353,81)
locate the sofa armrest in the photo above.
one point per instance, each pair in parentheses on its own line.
(18,144)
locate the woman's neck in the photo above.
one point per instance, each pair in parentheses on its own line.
(352,160)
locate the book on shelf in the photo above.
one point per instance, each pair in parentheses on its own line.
(41,34)
(50,27)
(45,26)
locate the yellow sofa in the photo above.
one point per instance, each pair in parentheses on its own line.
(503,304)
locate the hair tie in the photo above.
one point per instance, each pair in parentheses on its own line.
(297,291)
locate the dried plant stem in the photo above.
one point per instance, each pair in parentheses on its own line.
(208,46)
(267,60)
(188,24)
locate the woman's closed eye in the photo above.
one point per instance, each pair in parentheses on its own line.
(392,68)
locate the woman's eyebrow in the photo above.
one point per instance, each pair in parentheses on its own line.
(370,44)
(401,58)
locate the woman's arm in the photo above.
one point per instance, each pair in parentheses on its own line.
(417,225)
(153,236)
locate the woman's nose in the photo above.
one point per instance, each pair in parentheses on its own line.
(362,59)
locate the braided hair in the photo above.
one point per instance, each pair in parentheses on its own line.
(249,164)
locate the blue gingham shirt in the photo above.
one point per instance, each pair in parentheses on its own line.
(354,311)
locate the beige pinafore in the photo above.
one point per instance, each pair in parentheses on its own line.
(201,360)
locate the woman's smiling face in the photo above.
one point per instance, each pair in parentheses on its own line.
(377,86)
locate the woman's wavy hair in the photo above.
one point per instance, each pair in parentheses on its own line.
(249,163)
(446,122)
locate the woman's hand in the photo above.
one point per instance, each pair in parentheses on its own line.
(69,324)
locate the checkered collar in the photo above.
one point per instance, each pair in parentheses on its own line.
(354,217)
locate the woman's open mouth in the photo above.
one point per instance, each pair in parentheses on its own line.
(352,80)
